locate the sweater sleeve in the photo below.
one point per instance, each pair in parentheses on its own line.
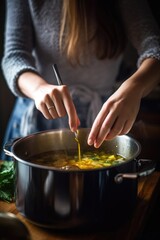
(18,44)
(141,28)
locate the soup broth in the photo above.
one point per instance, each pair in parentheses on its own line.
(89,159)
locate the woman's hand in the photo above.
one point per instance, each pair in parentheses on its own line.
(120,111)
(51,100)
(54,102)
(117,115)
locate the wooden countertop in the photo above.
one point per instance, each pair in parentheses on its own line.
(148,189)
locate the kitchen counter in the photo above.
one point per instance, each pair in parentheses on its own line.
(148,190)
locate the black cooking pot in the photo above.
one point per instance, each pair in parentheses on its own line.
(71,199)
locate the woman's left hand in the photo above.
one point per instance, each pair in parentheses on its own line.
(120,111)
(117,115)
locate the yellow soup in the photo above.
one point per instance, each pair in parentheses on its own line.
(88,160)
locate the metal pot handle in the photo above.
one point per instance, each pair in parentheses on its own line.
(8,145)
(145,171)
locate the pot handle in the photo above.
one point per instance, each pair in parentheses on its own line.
(8,145)
(145,171)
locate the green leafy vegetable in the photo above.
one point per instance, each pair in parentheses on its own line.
(7,176)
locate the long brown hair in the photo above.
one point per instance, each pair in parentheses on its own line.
(91,22)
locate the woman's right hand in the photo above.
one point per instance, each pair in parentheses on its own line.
(54,102)
(51,100)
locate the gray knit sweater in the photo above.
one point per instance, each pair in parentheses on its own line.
(31,43)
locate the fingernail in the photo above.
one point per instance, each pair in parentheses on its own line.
(90,141)
(73,129)
(96,145)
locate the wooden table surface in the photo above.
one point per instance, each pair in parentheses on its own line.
(148,189)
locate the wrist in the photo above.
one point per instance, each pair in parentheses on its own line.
(29,83)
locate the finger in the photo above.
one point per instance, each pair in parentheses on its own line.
(58,103)
(73,119)
(44,110)
(116,129)
(50,108)
(96,126)
(53,112)
(105,129)
(41,106)
(102,126)
(44,105)
(127,127)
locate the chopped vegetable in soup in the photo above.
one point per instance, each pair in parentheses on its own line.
(89,160)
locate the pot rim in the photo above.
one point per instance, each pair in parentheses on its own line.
(26,162)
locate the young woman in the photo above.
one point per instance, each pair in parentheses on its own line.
(86,39)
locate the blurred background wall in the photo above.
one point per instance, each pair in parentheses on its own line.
(6,97)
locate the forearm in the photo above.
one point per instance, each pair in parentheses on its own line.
(145,79)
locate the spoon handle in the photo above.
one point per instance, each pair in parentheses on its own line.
(58,77)
(60,82)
